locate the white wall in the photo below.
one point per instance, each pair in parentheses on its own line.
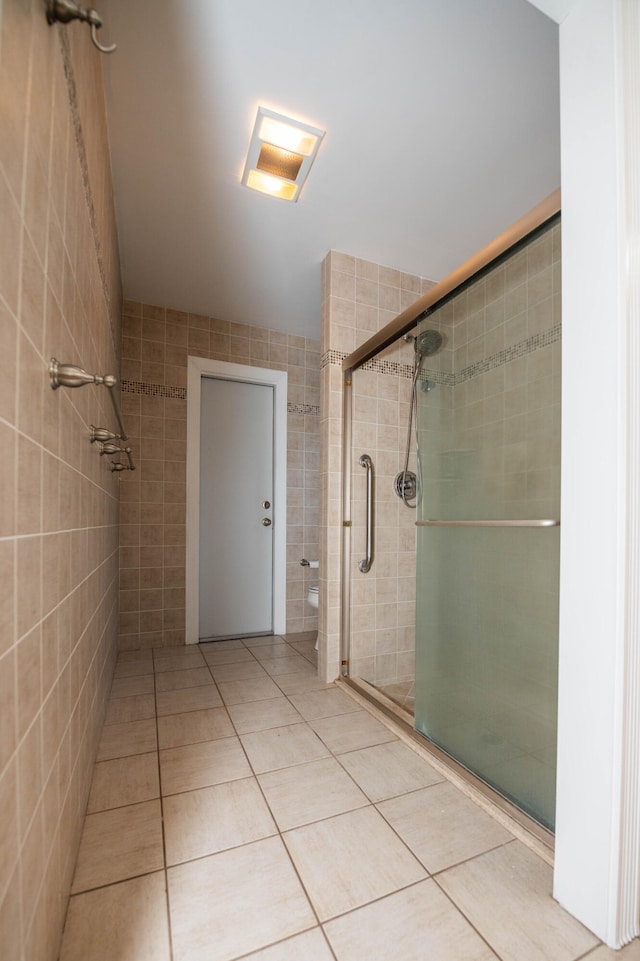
(597,806)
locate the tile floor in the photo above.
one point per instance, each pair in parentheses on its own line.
(243,809)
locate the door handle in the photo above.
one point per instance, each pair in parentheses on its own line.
(266,522)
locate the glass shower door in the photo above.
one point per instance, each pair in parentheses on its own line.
(488,568)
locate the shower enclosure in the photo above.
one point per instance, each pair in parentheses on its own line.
(459,609)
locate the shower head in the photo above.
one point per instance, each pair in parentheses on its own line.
(428,342)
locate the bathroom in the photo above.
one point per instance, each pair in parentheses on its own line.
(60,540)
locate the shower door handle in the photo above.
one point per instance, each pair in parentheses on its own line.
(542,522)
(365,565)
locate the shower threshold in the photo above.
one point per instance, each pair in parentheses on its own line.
(529,831)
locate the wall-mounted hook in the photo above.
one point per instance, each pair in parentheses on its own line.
(64,11)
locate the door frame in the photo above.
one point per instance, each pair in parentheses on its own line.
(197,368)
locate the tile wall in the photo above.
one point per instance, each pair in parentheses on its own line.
(155,345)
(59,295)
(359,298)
(383,602)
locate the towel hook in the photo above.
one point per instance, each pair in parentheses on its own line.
(64,11)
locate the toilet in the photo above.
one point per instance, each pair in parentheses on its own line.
(312,600)
(312,593)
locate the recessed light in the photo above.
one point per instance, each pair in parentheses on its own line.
(280,154)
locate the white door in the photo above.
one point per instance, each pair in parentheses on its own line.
(236,508)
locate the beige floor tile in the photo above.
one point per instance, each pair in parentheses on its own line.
(349,860)
(292,664)
(237,655)
(130,667)
(215,818)
(250,689)
(175,730)
(260,715)
(307,649)
(119,844)
(238,671)
(417,923)
(308,792)
(299,683)
(177,659)
(442,826)
(125,780)
(310,946)
(122,922)
(506,895)
(136,708)
(188,699)
(137,656)
(314,704)
(128,686)
(348,732)
(282,746)
(264,902)
(631,952)
(388,770)
(263,640)
(176,680)
(132,737)
(208,647)
(200,765)
(269,651)
(300,636)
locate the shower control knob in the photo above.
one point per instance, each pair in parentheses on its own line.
(266,505)
(266,522)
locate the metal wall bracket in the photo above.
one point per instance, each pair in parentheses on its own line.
(64,11)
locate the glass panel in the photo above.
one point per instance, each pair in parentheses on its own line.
(487,613)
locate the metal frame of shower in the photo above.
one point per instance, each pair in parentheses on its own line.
(535,222)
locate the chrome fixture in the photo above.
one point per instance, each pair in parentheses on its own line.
(117,466)
(266,522)
(266,505)
(426,343)
(102,435)
(70,375)
(111,449)
(365,565)
(406,485)
(304,562)
(64,11)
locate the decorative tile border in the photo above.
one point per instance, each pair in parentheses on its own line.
(505,356)
(180,393)
(313,409)
(153,390)
(501,357)
(332,357)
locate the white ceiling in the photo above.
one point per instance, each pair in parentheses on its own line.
(442,120)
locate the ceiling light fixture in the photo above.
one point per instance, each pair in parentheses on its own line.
(280,154)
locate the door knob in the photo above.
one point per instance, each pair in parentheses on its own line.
(266,522)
